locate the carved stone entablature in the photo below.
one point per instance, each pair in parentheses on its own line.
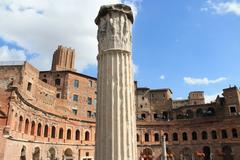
(115,28)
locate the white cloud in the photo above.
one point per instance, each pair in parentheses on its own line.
(223,7)
(179,98)
(135,5)
(202,81)
(7,54)
(204,9)
(39,26)
(162,77)
(135,69)
(211,97)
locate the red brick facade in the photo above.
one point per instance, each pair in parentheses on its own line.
(51,115)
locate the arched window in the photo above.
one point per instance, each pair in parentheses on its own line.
(199,112)
(60,136)
(57,82)
(137,138)
(194,136)
(184,136)
(165,115)
(156,137)
(53,133)
(146,137)
(211,111)
(166,136)
(26,126)
(189,114)
(175,137)
(44,80)
(234,133)
(69,134)
(77,135)
(46,131)
(143,116)
(204,135)
(33,128)
(39,129)
(224,134)
(214,134)
(87,136)
(180,115)
(20,123)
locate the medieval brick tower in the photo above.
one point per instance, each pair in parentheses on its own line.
(63,59)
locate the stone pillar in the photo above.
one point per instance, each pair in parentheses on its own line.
(164,148)
(116,121)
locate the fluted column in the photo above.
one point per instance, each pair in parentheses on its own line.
(116,122)
(164,148)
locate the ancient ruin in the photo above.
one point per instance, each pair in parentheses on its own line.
(116,122)
(51,115)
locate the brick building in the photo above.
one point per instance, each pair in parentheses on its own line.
(51,115)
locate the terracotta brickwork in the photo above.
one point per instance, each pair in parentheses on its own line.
(63,59)
(35,124)
(50,115)
(191,129)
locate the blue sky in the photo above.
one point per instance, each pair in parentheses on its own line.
(184,45)
(178,39)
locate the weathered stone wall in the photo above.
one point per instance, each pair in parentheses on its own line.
(14,147)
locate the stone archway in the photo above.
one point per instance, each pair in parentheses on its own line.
(147,154)
(23,153)
(36,154)
(52,154)
(227,153)
(207,152)
(186,154)
(68,154)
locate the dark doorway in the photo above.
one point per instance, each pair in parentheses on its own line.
(147,154)
(187,153)
(23,153)
(36,154)
(227,150)
(52,154)
(207,152)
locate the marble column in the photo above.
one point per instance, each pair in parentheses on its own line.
(116,121)
(164,148)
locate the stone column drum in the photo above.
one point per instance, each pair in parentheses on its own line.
(116,122)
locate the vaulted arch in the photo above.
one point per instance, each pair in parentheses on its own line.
(39,129)
(32,132)
(20,124)
(26,126)
(87,136)
(77,135)
(53,132)
(60,135)
(46,131)
(69,134)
